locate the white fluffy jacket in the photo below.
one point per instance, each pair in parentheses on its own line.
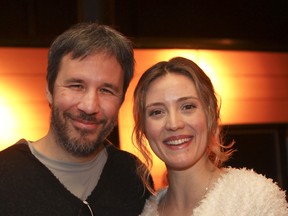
(238,192)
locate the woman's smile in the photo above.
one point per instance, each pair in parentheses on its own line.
(178,141)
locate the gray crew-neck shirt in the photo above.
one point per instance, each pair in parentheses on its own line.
(79,178)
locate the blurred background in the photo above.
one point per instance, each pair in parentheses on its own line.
(241,45)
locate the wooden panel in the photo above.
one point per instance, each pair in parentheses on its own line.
(254,87)
(23,106)
(254,111)
(22,88)
(30,115)
(28,120)
(23,61)
(239,63)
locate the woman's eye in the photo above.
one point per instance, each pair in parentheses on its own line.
(188,107)
(155,112)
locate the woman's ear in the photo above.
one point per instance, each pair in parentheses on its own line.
(48,95)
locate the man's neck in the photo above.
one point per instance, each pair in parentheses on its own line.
(50,149)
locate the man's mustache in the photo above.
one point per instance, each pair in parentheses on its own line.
(91,118)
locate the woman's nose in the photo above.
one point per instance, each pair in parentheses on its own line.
(89,103)
(174,121)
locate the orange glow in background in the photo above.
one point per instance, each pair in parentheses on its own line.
(8,122)
(24,111)
(253,87)
(19,120)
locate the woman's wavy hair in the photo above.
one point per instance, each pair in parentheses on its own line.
(217,152)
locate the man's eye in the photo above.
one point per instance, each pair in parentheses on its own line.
(107,91)
(76,86)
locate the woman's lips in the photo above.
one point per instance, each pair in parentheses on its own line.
(178,140)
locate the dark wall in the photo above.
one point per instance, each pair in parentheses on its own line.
(259,25)
(204,19)
(33,22)
(261,147)
(247,24)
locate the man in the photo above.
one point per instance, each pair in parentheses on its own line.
(74,170)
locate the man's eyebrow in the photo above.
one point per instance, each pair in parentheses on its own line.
(74,80)
(110,85)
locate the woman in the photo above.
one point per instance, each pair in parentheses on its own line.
(176,110)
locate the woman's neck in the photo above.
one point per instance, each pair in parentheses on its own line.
(187,188)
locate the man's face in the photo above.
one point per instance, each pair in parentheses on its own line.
(85,103)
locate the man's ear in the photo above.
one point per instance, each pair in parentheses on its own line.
(48,95)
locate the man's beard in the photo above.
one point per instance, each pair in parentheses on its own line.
(79,146)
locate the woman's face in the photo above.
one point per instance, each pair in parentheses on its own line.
(175,121)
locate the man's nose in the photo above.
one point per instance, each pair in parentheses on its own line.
(89,103)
